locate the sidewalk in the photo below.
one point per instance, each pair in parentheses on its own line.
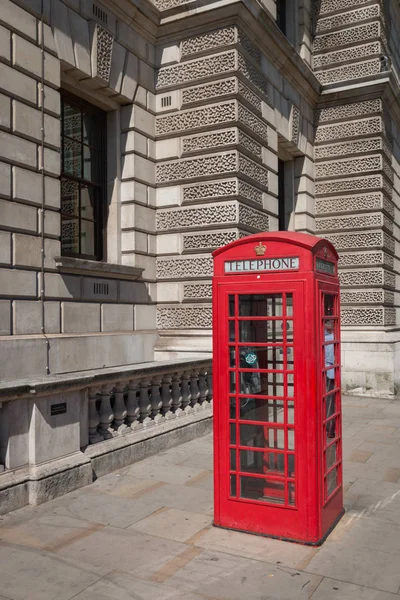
(145,533)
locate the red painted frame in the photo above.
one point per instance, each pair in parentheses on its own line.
(312,515)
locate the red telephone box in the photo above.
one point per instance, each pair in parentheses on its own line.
(277,409)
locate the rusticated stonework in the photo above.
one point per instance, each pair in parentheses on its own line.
(368,126)
(223,188)
(197,291)
(349,166)
(201,68)
(103,42)
(219,90)
(348,72)
(365,259)
(352,147)
(365,50)
(367,297)
(203,216)
(194,168)
(347,111)
(324,7)
(196,242)
(184,268)
(184,317)
(220,139)
(349,241)
(347,18)
(349,185)
(226,36)
(354,203)
(353,222)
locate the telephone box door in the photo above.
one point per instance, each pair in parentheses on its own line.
(261,458)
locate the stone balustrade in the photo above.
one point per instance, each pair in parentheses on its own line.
(60,432)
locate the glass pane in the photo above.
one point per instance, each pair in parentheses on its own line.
(72,121)
(331,454)
(262,462)
(289,331)
(232,334)
(87,202)
(232,382)
(261,331)
(91,165)
(331,482)
(329,305)
(291,459)
(70,235)
(330,403)
(290,439)
(260,305)
(331,429)
(262,489)
(72,157)
(232,407)
(233,485)
(91,130)
(233,459)
(270,411)
(290,385)
(232,357)
(289,305)
(231,300)
(276,438)
(87,238)
(253,357)
(290,412)
(69,197)
(253,436)
(233,433)
(290,357)
(291,494)
(261,384)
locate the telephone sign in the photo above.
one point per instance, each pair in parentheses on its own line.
(277,405)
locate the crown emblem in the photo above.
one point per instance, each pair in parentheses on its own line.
(260,249)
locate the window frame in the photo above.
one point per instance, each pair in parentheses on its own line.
(99,203)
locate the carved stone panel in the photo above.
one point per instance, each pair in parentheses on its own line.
(202,216)
(347,111)
(184,317)
(220,139)
(197,242)
(349,166)
(219,90)
(352,147)
(350,72)
(368,317)
(346,36)
(354,203)
(223,188)
(197,291)
(369,126)
(200,68)
(322,61)
(347,18)
(184,267)
(365,259)
(102,48)
(349,222)
(355,184)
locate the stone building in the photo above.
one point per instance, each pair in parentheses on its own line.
(136,136)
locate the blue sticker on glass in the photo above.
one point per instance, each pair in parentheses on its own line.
(250,358)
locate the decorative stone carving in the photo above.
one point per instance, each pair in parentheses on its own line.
(219,89)
(184,317)
(215,114)
(192,70)
(209,41)
(350,72)
(365,259)
(348,18)
(248,95)
(194,168)
(342,37)
(184,268)
(367,182)
(348,166)
(348,241)
(354,203)
(367,278)
(367,297)
(203,216)
(253,170)
(347,111)
(322,61)
(367,126)
(253,218)
(102,47)
(220,139)
(363,316)
(328,6)
(221,189)
(352,147)
(252,74)
(192,291)
(352,222)
(295,125)
(250,120)
(164,5)
(208,241)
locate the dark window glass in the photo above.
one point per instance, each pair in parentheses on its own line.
(281,15)
(83,170)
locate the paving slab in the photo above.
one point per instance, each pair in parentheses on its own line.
(173,524)
(331,589)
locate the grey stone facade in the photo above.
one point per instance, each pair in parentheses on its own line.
(202,101)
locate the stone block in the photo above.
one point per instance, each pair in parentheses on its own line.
(62,32)
(22,357)
(151,149)
(146,76)
(117,66)
(138,217)
(80,36)
(52,131)
(16,417)
(17,150)
(15,17)
(5,180)
(27,250)
(169,244)
(5,317)
(27,317)
(17,84)
(79,317)
(27,121)
(147,263)
(51,100)
(62,286)
(5,247)
(134,142)
(131,39)
(48,41)
(167,54)
(138,167)
(99,289)
(133,190)
(52,192)
(18,216)
(17,283)
(136,117)
(5,111)
(141,96)
(51,161)
(168,292)
(133,291)
(168,196)
(168,148)
(117,317)
(27,185)
(131,77)
(145,317)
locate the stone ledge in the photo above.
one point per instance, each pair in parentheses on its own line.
(81,266)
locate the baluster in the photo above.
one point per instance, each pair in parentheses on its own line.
(144,404)
(186,397)
(132,405)
(176,395)
(94,419)
(120,411)
(203,391)
(166,397)
(156,402)
(210,384)
(106,414)
(194,389)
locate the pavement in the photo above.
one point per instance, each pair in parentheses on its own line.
(145,532)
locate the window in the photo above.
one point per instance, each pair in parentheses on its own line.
(281,196)
(281,15)
(83,170)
